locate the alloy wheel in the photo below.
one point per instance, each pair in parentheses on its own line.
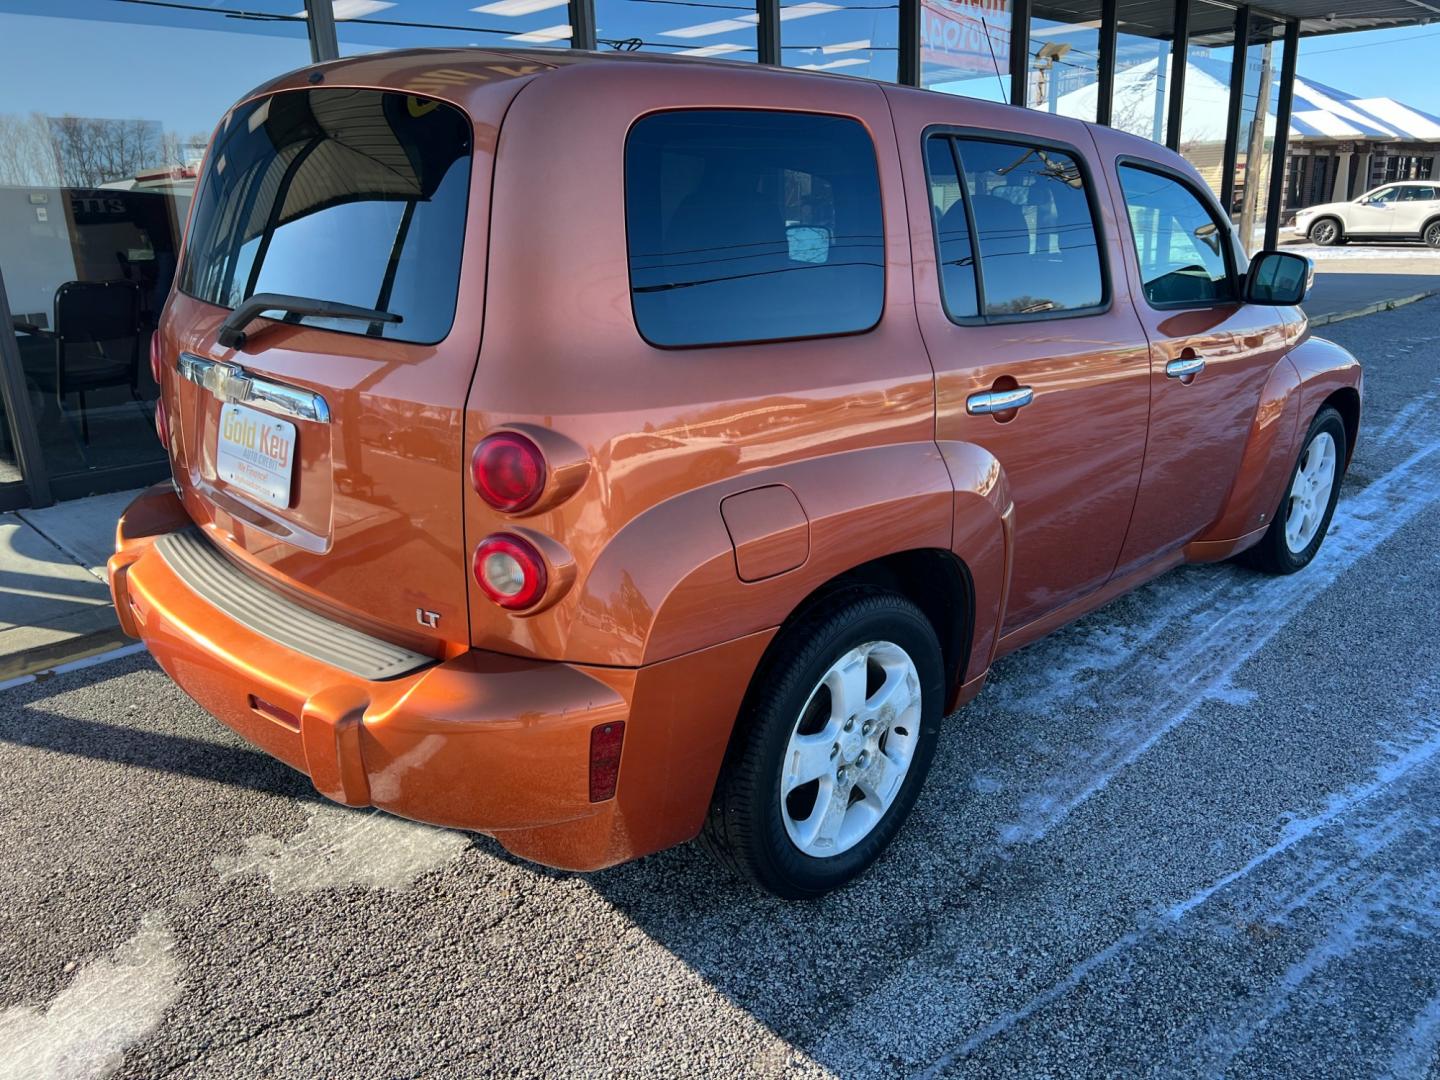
(851,748)
(1310,492)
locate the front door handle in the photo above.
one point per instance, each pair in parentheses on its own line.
(1185,367)
(997,401)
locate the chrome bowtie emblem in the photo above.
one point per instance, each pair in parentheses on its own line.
(231,383)
(226,381)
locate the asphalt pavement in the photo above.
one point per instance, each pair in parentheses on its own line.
(1193,834)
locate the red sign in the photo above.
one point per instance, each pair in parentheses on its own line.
(967,37)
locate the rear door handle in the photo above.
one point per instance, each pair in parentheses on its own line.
(1184,367)
(995,401)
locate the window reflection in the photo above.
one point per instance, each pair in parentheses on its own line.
(859,37)
(965,47)
(99,148)
(1142,78)
(1064,71)
(368,25)
(723,28)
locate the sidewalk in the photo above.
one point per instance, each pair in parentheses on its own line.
(54,602)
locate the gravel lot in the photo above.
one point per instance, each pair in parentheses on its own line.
(1193,834)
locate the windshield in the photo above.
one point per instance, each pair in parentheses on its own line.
(355,196)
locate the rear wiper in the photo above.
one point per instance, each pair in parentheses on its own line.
(232,330)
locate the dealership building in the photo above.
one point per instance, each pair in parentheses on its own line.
(107,106)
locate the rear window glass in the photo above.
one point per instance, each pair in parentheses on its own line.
(752,226)
(355,196)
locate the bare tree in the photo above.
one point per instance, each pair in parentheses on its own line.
(90,152)
(27,158)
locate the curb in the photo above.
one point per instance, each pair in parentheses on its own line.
(33,661)
(1371,309)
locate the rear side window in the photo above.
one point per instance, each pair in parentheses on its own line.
(1180,246)
(1417,194)
(746,225)
(1033,228)
(355,196)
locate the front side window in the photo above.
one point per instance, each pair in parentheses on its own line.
(1179,243)
(1038,249)
(355,196)
(1384,195)
(745,225)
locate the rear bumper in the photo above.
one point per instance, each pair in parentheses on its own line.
(484,741)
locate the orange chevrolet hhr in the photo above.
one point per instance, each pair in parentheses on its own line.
(598,452)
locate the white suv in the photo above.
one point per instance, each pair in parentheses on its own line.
(1405,210)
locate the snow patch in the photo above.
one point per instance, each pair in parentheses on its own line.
(113,1002)
(338,848)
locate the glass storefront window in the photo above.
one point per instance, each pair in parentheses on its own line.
(725,29)
(107,110)
(368,25)
(852,37)
(965,47)
(1207,88)
(1064,70)
(1255,148)
(1142,79)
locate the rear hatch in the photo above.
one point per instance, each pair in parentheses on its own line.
(326,453)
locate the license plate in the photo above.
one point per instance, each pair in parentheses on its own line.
(256,453)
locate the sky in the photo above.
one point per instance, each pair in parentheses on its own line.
(1377,63)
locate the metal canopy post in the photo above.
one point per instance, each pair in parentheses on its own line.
(582,24)
(1179,60)
(908,71)
(1281,150)
(320,25)
(1020,52)
(769,35)
(1239,55)
(1109,35)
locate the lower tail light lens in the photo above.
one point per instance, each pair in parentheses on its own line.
(510,571)
(606,741)
(162,424)
(155,357)
(508,471)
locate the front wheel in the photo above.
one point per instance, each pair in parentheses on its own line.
(832,746)
(1303,517)
(1325,232)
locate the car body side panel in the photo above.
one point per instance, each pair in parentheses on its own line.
(670,433)
(1325,369)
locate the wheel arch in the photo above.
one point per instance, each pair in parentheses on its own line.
(936,581)
(1346,401)
(1336,218)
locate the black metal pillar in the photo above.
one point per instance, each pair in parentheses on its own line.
(1237,105)
(769,30)
(1020,52)
(1179,56)
(320,24)
(15,398)
(908,73)
(1109,34)
(1281,150)
(582,24)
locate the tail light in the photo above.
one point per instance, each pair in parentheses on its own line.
(510,571)
(155,357)
(162,424)
(605,743)
(508,471)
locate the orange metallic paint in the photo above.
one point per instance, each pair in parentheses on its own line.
(694,497)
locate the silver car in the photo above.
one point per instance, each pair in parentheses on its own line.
(1404,210)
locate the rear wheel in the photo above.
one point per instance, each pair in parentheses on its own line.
(1325,232)
(832,746)
(1299,525)
(1431,234)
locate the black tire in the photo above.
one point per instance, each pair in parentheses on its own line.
(1272,554)
(1327,232)
(1431,235)
(745,830)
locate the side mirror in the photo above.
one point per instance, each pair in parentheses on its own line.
(1281,278)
